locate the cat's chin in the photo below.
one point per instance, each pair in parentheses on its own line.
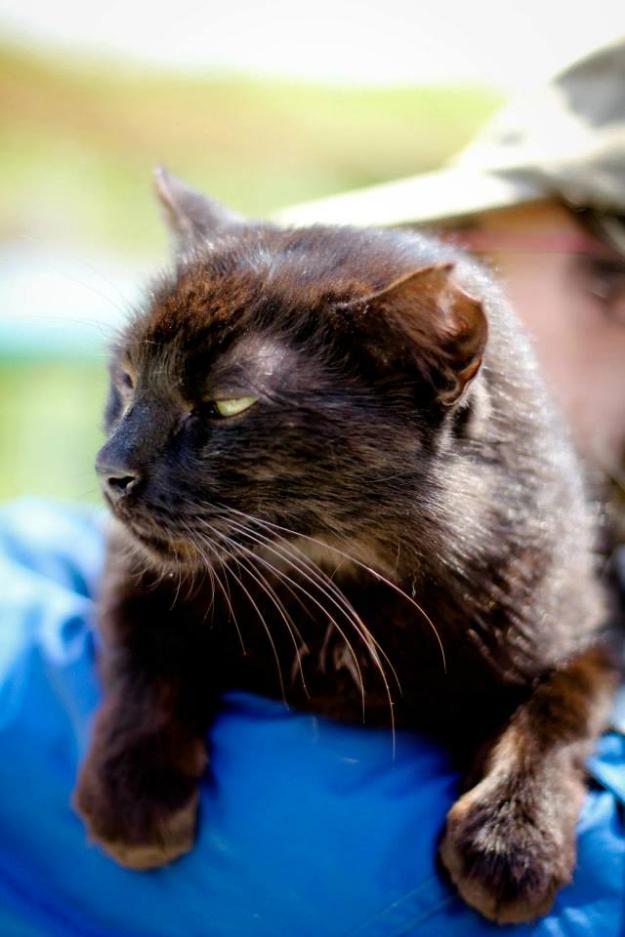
(172,554)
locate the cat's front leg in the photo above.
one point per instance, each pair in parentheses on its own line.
(509,845)
(137,790)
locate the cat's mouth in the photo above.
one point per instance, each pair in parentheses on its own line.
(169,546)
(193,542)
(164,548)
(154,538)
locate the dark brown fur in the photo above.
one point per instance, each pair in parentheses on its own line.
(397,454)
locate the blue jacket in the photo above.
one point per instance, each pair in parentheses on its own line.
(310,829)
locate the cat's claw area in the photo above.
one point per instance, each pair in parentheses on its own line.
(176,837)
(165,840)
(508,869)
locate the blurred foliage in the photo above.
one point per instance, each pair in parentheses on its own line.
(50,418)
(80,140)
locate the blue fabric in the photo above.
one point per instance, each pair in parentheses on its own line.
(311,829)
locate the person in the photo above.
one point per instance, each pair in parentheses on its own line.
(309,827)
(540,192)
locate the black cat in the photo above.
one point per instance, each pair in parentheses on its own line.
(337,479)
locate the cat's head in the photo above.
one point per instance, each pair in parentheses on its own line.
(283,383)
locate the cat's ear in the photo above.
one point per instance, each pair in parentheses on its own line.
(191,217)
(425,319)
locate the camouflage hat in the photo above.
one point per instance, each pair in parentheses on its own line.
(566,140)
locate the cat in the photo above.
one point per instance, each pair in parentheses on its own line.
(336,479)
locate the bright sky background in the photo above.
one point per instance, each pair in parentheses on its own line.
(509,44)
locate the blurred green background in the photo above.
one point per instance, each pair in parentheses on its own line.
(79,231)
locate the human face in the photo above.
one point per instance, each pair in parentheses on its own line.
(573,305)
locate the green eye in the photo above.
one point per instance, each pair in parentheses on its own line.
(233,405)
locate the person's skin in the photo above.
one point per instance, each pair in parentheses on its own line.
(575,313)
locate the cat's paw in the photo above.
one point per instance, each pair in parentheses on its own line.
(167,839)
(509,857)
(139,832)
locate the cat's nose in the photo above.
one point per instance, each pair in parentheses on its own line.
(117,481)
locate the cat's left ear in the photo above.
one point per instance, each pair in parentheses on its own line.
(426,321)
(191,217)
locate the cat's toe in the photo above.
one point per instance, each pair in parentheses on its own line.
(138,833)
(170,839)
(506,863)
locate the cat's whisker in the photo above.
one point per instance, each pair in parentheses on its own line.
(313,574)
(223,585)
(224,538)
(287,579)
(330,591)
(194,579)
(319,584)
(288,621)
(347,607)
(377,575)
(179,574)
(282,611)
(211,567)
(319,580)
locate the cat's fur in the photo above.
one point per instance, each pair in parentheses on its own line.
(396,531)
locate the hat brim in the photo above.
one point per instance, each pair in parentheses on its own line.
(447,194)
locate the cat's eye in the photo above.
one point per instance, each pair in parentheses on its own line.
(232,406)
(125,380)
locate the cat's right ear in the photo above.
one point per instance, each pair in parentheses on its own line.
(425,321)
(192,218)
